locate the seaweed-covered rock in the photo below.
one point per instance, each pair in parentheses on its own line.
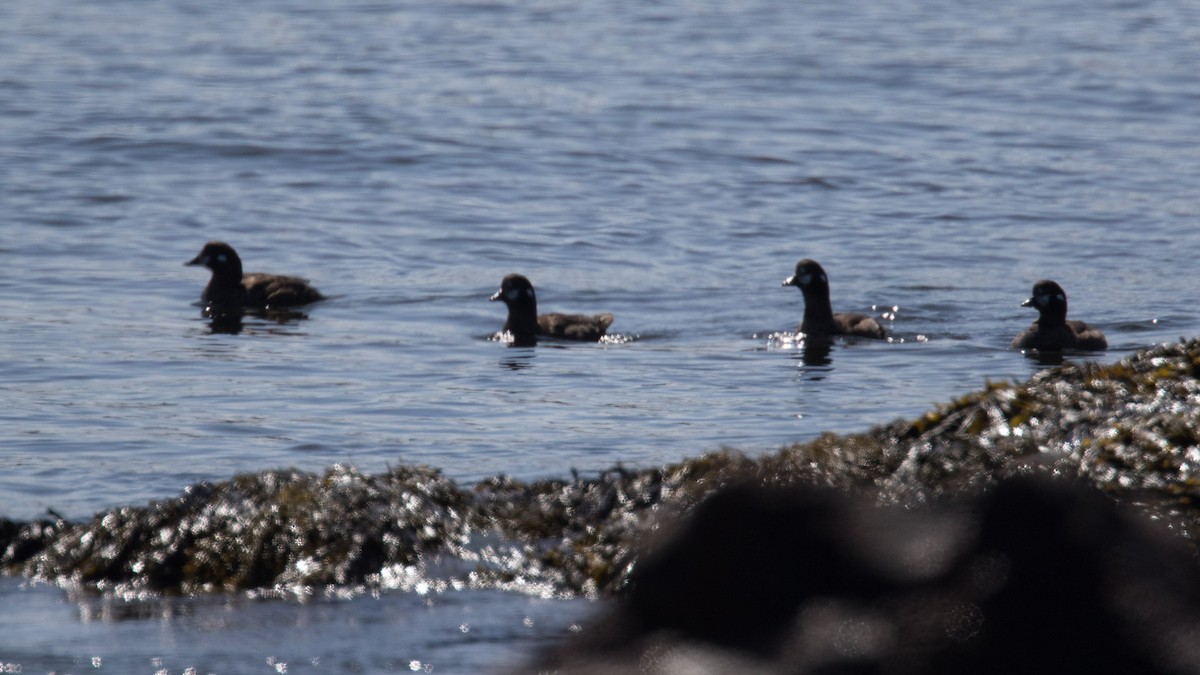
(258,531)
(1131,429)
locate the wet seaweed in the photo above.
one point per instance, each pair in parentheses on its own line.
(1131,428)
(275,528)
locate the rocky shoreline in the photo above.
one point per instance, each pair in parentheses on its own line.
(1129,429)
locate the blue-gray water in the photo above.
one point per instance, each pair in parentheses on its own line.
(665,161)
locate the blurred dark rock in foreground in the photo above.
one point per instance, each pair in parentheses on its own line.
(1030,577)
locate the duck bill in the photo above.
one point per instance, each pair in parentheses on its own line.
(198,260)
(790,281)
(1028,303)
(498,295)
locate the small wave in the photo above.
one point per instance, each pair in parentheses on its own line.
(108,199)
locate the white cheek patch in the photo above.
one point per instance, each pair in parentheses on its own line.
(806,279)
(1061,297)
(512,294)
(1043,299)
(221,258)
(824,279)
(529,293)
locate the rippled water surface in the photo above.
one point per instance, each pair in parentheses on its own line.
(668,162)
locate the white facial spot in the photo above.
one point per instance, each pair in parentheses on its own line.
(511,294)
(824,278)
(1061,297)
(805,279)
(528,292)
(221,258)
(1043,299)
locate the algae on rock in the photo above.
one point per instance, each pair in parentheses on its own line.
(1131,429)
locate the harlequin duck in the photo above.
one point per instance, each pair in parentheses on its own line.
(526,325)
(819,320)
(1052,332)
(230,289)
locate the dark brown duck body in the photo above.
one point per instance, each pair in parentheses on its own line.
(820,321)
(526,325)
(230,289)
(1052,332)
